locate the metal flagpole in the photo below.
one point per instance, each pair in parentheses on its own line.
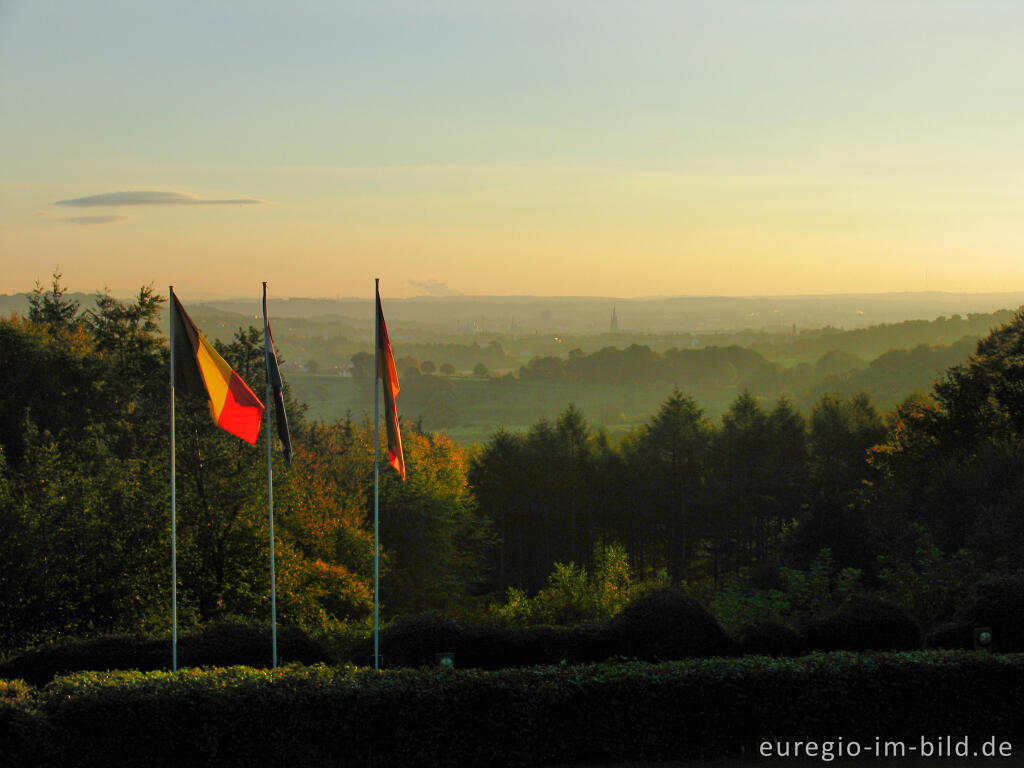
(174,522)
(270,481)
(376,477)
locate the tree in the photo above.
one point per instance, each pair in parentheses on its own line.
(741,485)
(842,432)
(86,542)
(362,366)
(954,462)
(435,538)
(496,476)
(52,309)
(668,467)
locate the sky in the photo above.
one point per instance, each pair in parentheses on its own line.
(546,147)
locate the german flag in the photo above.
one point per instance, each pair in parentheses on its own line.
(200,370)
(276,384)
(387,373)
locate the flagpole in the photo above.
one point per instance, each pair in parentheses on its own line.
(174,522)
(270,484)
(376,478)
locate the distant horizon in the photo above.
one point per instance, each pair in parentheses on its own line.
(203,297)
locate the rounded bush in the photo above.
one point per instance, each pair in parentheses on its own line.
(998,603)
(667,624)
(414,641)
(768,638)
(40,664)
(864,624)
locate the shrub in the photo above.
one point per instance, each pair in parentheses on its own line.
(572,595)
(769,638)
(998,603)
(735,607)
(667,624)
(863,624)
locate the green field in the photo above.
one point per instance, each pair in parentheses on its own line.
(479,407)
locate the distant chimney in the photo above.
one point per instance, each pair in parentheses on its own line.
(615,322)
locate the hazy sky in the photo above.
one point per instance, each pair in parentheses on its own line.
(549,147)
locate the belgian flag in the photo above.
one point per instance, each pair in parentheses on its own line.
(389,375)
(200,370)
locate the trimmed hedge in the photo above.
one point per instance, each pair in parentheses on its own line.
(668,624)
(215,645)
(415,641)
(662,625)
(998,603)
(700,708)
(864,624)
(767,638)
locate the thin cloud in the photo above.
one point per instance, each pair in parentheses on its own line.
(435,289)
(93,219)
(149,197)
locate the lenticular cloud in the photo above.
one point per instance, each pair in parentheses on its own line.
(149,197)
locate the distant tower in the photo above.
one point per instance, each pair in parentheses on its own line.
(615,322)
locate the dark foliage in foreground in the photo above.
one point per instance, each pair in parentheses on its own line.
(701,708)
(216,645)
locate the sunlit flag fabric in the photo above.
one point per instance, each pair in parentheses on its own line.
(200,370)
(276,385)
(387,373)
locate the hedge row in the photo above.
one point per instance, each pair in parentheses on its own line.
(664,625)
(216,645)
(661,626)
(591,713)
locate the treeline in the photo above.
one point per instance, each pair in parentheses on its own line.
(868,343)
(709,368)
(689,499)
(620,388)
